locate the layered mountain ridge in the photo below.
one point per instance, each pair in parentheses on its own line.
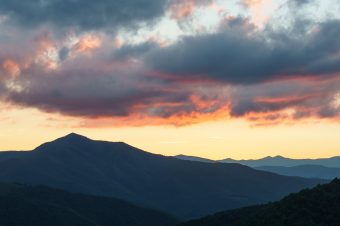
(42,206)
(319,206)
(185,189)
(325,168)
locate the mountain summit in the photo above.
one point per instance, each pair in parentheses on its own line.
(185,189)
(74,137)
(70,143)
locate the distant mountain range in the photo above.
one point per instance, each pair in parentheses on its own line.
(308,171)
(22,205)
(327,168)
(333,162)
(185,189)
(287,162)
(318,206)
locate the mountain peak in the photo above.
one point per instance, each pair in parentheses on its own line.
(78,143)
(74,136)
(279,157)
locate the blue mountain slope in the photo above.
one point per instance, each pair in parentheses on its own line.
(185,189)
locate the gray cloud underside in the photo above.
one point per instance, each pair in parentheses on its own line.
(238,57)
(84,14)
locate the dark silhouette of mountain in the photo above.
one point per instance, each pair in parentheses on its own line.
(43,206)
(185,189)
(308,171)
(5,155)
(193,158)
(319,206)
(333,162)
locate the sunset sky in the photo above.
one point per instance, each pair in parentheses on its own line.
(212,78)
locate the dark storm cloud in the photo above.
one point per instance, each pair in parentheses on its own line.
(84,14)
(88,92)
(239,55)
(94,87)
(301,99)
(132,51)
(78,93)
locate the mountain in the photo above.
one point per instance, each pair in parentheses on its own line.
(41,206)
(193,158)
(185,189)
(287,162)
(278,166)
(319,206)
(308,171)
(5,155)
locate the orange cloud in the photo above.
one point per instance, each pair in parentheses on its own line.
(182,10)
(195,110)
(138,120)
(285,100)
(11,67)
(118,43)
(46,53)
(87,43)
(161,42)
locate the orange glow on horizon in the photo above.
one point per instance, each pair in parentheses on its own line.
(216,139)
(139,120)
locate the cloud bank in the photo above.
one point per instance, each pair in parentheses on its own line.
(282,72)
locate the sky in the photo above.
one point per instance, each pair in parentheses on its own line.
(213,78)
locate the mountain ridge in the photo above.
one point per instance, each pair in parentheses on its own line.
(317,206)
(288,162)
(307,171)
(41,206)
(182,188)
(272,161)
(308,168)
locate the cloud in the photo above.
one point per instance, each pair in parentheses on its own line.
(134,51)
(241,55)
(182,9)
(300,3)
(82,14)
(260,10)
(266,76)
(289,100)
(87,43)
(11,68)
(93,82)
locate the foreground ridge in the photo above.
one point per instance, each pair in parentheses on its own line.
(44,206)
(318,206)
